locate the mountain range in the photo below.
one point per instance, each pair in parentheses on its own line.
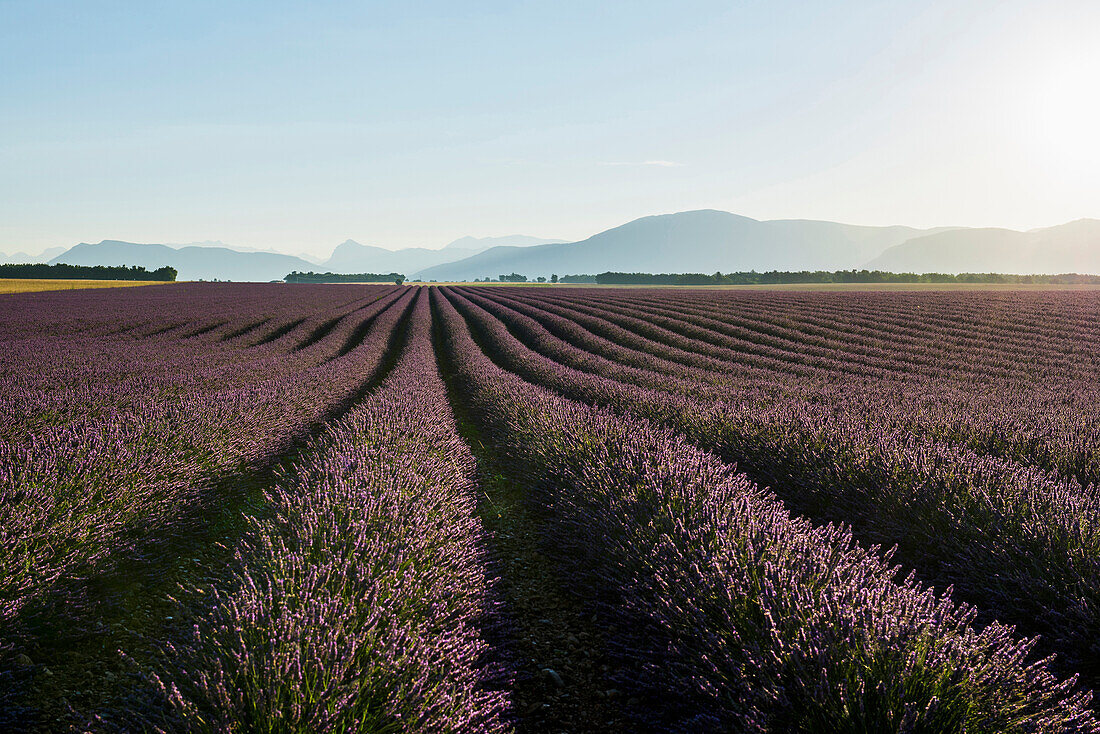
(1067,248)
(193,262)
(308,257)
(701,241)
(21,258)
(216,261)
(352,257)
(695,241)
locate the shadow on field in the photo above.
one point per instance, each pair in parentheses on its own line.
(554,642)
(83,654)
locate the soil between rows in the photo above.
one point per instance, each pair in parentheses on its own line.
(92,643)
(555,646)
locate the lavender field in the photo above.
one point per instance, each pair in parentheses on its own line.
(273,508)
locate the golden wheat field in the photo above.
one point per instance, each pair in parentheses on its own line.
(31,285)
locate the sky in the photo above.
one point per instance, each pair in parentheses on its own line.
(295,126)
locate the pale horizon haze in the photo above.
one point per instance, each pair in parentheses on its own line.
(296,126)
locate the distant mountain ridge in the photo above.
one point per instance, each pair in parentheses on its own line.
(705,240)
(353,257)
(192,262)
(702,241)
(513,240)
(242,248)
(1073,247)
(216,260)
(19,258)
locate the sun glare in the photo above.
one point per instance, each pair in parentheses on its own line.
(1064,111)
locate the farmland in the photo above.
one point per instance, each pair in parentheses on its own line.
(34,285)
(381,508)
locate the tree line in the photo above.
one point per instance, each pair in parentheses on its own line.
(311,277)
(779,277)
(62,271)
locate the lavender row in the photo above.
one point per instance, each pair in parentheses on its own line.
(654,346)
(73,498)
(744,617)
(608,349)
(750,334)
(1007,536)
(81,378)
(85,377)
(932,329)
(357,604)
(1053,427)
(929,338)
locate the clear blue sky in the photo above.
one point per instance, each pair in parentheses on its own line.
(298,125)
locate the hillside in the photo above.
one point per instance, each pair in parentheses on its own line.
(702,241)
(696,241)
(353,257)
(192,262)
(478,244)
(1066,248)
(214,260)
(18,258)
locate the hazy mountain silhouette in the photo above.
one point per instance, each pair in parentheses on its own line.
(216,260)
(1066,248)
(478,244)
(21,258)
(352,257)
(696,241)
(192,262)
(308,257)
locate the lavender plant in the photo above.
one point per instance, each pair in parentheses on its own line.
(1022,543)
(749,618)
(357,605)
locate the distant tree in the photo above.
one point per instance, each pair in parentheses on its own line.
(541,279)
(554,278)
(86,272)
(311,277)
